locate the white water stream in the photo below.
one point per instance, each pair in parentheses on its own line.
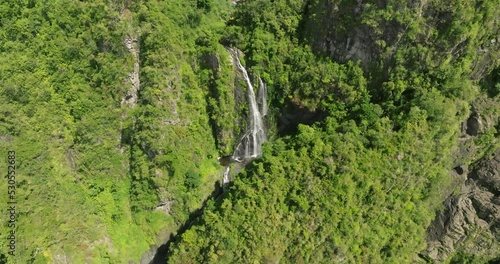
(250,145)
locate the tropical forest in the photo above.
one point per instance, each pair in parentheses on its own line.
(249,131)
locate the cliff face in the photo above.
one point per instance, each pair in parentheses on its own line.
(469,224)
(470,221)
(226,99)
(373,31)
(133,77)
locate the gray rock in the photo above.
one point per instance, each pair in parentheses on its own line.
(131,98)
(473,125)
(450,226)
(487,175)
(471,219)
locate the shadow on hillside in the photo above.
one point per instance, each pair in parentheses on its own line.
(163,252)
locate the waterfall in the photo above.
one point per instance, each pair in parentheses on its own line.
(249,146)
(227,177)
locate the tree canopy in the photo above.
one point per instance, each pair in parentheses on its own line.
(117,111)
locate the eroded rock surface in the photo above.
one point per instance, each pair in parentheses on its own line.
(470,220)
(132,97)
(487,175)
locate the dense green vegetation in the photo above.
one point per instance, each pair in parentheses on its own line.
(361,185)
(91,169)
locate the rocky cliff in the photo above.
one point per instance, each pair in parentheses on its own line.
(469,224)
(470,221)
(373,31)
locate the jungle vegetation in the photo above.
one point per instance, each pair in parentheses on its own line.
(359,185)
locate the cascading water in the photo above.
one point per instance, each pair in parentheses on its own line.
(226,177)
(250,143)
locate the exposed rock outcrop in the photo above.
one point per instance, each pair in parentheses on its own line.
(450,227)
(487,175)
(473,125)
(471,219)
(357,30)
(485,114)
(131,97)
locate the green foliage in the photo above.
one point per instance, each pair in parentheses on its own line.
(467,258)
(362,185)
(91,168)
(325,195)
(359,186)
(193,180)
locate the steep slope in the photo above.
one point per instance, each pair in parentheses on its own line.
(470,221)
(466,230)
(105,105)
(117,110)
(394,79)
